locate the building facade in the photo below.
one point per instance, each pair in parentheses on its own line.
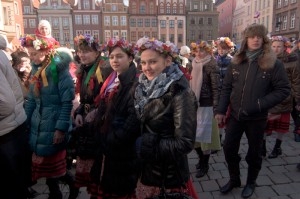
(202,20)
(226,10)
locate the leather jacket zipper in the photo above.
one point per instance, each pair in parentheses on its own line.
(242,97)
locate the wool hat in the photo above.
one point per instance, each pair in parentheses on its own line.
(255,30)
(185,50)
(3,43)
(44,23)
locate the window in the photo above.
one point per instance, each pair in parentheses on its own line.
(209,21)
(87,32)
(95,19)
(267,22)
(209,35)
(124,34)
(133,36)
(193,35)
(293,1)
(16,8)
(55,22)
(151,8)
(163,37)
(66,22)
(171,23)
(66,36)
(133,7)
(114,20)
(78,19)
(132,23)
(168,8)
(114,8)
(86,19)
(180,23)
(154,22)
(292,23)
(180,38)
(142,9)
(86,4)
(107,34)
(123,21)
(107,20)
(278,3)
(171,38)
(115,34)
(147,34)
(174,8)
(140,34)
(25,23)
(286,2)
(195,6)
(192,21)
(140,22)
(147,22)
(56,35)
(200,37)
(181,8)
(161,8)
(162,23)
(284,22)
(154,34)
(26,10)
(79,32)
(96,34)
(201,21)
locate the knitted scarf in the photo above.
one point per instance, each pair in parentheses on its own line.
(148,90)
(252,55)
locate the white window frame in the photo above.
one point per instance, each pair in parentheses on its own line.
(123,20)
(107,20)
(95,19)
(107,34)
(293,19)
(78,19)
(86,19)
(284,22)
(86,4)
(115,21)
(124,34)
(26,10)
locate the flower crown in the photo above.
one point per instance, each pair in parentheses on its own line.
(123,44)
(225,40)
(86,40)
(167,48)
(285,40)
(202,44)
(37,43)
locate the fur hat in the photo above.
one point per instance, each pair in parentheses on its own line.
(185,50)
(255,30)
(3,43)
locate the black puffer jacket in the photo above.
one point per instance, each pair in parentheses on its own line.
(168,135)
(251,89)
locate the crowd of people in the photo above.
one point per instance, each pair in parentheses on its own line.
(129,114)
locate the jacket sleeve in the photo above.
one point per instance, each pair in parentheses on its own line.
(224,98)
(280,88)
(214,85)
(185,123)
(295,82)
(67,94)
(7,98)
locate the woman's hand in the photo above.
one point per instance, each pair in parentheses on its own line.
(221,119)
(59,137)
(91,116)
(78,120)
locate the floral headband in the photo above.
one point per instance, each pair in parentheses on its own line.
(202,44)
(87,40)
(225,40)
(285,40)
(37,43)
(167,48)
(123,44)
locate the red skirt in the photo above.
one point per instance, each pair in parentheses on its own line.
(50,166)
(280,124)
(143,191)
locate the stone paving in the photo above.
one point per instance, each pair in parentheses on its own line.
(278,179)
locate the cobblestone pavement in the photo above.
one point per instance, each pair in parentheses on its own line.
(278,178)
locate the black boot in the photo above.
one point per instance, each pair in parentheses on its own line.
(203,166)
(248,190)
(68,179)
(235,181)
(264,149)
(54,190)
(200,155)
(251,182)
(276,151)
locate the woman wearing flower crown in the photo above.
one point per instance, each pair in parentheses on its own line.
(166,107)
(90,75)
(205,85)
(223,58)
(48,108)
(116,167)
(279,116)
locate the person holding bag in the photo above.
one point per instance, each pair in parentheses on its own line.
(166,107)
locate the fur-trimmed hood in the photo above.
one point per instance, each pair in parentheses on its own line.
(265,61)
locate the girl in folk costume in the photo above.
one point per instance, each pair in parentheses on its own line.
(279,116)
(44,31)
(223,58)
(205,85)
(166,108)
(90,76)
(116,167)
(48,108)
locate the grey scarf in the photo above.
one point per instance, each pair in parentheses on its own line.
(252,55)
